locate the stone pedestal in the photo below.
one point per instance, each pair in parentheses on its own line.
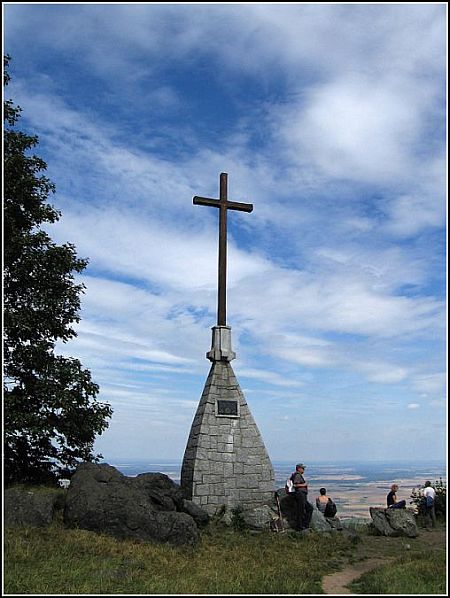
(221,345)
(225,462)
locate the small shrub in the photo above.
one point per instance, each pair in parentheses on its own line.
(237,520)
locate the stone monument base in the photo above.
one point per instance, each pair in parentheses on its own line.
(225,462)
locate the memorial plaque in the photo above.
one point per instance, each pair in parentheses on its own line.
(227,408)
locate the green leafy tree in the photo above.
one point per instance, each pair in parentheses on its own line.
(51,416)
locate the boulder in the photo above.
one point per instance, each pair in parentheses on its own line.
(394,522)
(288,508)
(318,521)
(164,493)
(403,521)
(34,507)
(335,523)
(380,522)
(259,517)
(225,517)
(199,515)
(147,507)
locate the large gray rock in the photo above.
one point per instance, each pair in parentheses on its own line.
(258,518)
(288,508)
(25,506)
(147,507)
(318,521)
(403,521)
(380,522)
(394,522)
(199,515)
(164,493)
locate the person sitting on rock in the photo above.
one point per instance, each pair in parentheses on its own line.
(322,500)
(392,501)
(325,504)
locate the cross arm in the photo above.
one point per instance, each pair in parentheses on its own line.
(215,203)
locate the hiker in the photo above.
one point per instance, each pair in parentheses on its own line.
(303,508)
(325,504)
(429,494)
(392,501)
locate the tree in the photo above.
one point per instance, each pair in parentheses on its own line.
(51,416)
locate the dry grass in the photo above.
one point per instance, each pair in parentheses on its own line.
(56,560)
(60,561)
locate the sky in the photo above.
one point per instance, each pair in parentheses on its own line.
(330,119)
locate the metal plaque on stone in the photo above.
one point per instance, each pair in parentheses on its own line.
(227,408)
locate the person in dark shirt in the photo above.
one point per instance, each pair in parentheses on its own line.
(304,509)
(391,499)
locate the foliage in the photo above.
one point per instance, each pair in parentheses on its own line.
(51,415)
(237,519)
(440,503)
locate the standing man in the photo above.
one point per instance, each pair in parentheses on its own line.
(304,509)
(430,496)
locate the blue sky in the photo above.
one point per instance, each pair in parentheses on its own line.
(330,119)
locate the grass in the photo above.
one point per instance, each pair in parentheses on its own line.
(55,560)
(416,574)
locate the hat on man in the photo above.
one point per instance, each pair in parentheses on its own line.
(300,465)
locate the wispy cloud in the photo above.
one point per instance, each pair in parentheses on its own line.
(335,131)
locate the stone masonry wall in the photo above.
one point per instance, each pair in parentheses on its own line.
(225,462)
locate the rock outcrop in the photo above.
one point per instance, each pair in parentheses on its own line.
(149,507)
(258,518)
(33,507)
(319,522)
(394,522)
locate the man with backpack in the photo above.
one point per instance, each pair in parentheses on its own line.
(429,494)
(303,508)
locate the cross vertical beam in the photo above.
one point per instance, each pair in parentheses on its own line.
(223,204)
(222,279)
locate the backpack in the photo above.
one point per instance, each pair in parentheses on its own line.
(330,509)
(289,487)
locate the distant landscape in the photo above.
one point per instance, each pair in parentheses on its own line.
(353,486)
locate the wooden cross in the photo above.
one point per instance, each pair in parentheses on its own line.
(223,204)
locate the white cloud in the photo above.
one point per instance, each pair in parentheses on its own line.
(356,127)
(330,132)
(432,384)
(176,257)
(424,206)
(269,377)
(383,372)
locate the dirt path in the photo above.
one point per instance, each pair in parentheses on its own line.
(336,582)
(374,551)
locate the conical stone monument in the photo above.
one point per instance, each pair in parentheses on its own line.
(225,462)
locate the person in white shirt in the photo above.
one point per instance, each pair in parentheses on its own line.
(430,497)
